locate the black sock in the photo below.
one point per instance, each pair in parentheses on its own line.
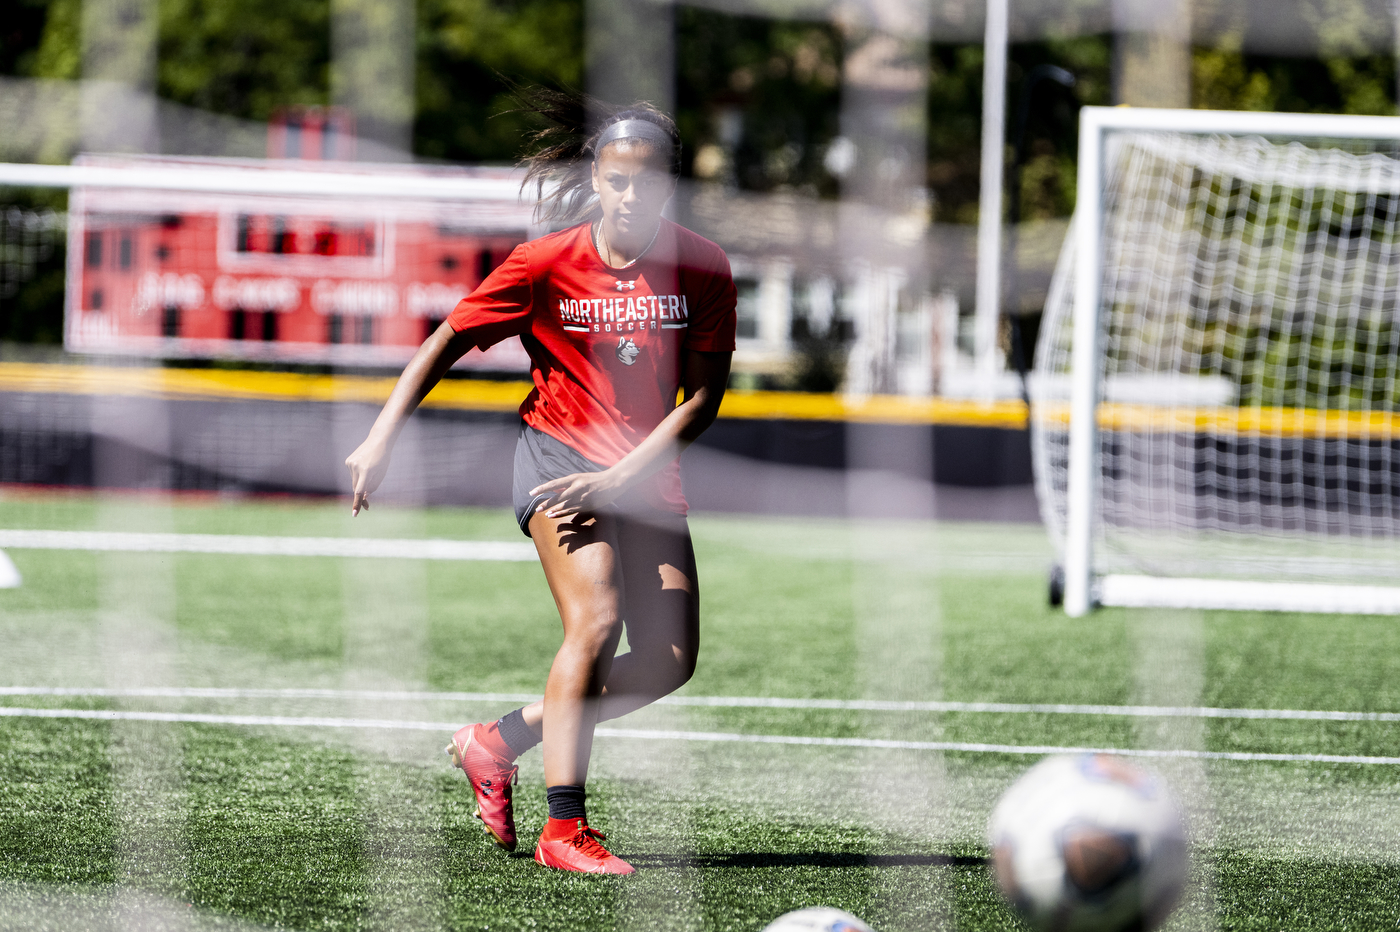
(566,802)
(516,733)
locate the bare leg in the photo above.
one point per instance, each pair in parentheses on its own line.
(662,617)
(581,563)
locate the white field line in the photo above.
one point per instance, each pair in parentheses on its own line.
(643,734)
(201,718)
(1023,708)
(719,702)
(10,577)
(252,545)
(211,692)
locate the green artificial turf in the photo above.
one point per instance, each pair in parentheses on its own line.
(225,826)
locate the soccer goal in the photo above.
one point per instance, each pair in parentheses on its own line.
(1216,417)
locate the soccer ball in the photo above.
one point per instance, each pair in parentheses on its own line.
(817,919)
(1089,843)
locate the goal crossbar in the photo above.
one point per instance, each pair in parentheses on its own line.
(223,179)
(1097,125)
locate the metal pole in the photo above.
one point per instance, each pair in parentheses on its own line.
(989,210)
(1019,350)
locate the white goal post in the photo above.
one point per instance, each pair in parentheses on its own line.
(1216,417)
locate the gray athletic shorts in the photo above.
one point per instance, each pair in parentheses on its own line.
(539,458)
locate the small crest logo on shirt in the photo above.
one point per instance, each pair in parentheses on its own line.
(627,351)
(626,286)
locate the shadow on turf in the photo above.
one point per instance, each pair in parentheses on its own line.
(808,859)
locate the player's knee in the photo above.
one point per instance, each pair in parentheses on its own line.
(685,667)
(670,666)
(592,632)
(675,670)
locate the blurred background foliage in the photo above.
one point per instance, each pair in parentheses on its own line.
(464,47)
(244,58)
(758,100)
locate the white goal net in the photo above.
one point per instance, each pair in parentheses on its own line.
(1246,370)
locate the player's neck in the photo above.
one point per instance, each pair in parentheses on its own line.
(619,250)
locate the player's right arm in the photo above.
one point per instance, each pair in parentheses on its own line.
(370,461)
(498,308)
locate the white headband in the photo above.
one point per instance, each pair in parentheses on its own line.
(634,129)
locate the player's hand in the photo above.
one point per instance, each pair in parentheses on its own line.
(577,492)
(368,464)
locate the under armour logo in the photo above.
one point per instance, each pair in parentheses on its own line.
(626,286)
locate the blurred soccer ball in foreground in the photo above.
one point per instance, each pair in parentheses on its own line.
(1089,843)
(817,919)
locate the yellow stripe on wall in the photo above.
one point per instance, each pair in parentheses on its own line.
(884,409)
(243,385)
(1236,422)
(475,395)
(483,395)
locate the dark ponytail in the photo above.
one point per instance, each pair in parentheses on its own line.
(559,157)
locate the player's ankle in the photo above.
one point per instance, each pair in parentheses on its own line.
(513,735)
(489,737)
(566,805)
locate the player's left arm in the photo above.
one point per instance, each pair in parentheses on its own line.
(705,375)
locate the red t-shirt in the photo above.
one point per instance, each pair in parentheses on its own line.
(606,344)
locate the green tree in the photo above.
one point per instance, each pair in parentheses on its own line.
(21,30)
(1224,78)
(247,58)
(464,47)
(777,82)
(57,49)
(955,123)
(244,58)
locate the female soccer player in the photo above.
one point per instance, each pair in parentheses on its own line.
(618,312)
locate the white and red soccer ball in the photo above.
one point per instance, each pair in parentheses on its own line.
(817,919)
(1089,843)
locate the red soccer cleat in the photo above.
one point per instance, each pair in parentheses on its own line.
(573,846)
(492,779)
